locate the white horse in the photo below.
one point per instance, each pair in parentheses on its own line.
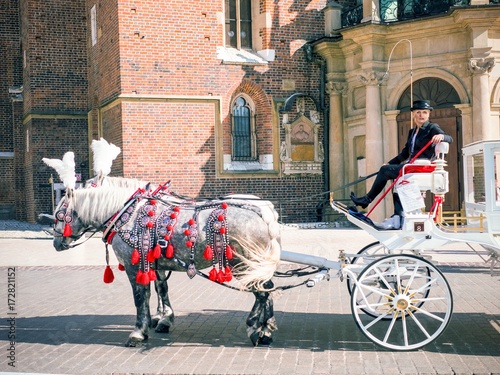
(157,232)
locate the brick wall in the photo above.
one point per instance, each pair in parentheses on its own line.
(169,49)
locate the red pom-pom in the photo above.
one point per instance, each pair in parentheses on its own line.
(167,237)
(220,217)
(67,232)
(187,232)
(222,230)
(108,275)
(157,251)
(151,213)
(208,253)
(149,224)
(169,253)
(135,257)
(144,279)
(176,209)
(191,222)
(152,275)
(173,215)
(150,257)
(220,276)
(229,252)
(189,244)
(138,276)
(121,267)
(213,274)
(224,205)
(152,201)
(229,274)
(170,227)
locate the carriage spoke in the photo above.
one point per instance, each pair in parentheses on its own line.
(419,324)
(391,326)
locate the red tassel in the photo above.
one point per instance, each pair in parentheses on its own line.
(135,257)
(213,274)
(150,257)
(144,278)
(138,277)
(157,251)
(67,230)
(208,253)
(152,275)
(108,275)
(121,267)
(229,252)
(229,274)
(220,276)
(169,253)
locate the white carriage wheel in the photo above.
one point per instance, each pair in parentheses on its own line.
(401,302)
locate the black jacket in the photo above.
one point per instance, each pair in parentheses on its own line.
(425,134)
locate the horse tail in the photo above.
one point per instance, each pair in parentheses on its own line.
(259,261)
(258,264)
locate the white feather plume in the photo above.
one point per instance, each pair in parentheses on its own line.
(104,155)
(65,168)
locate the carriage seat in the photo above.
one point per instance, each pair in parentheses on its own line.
(429,175)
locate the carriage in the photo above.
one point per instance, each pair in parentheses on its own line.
(399,299)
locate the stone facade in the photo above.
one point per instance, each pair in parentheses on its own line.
(372,66)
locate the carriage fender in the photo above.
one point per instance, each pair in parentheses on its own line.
(310,260)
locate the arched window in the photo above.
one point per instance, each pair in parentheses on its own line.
(243,130)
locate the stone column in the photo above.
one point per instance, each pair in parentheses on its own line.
(480,69)
(374,142)
(374,133)
(336,140)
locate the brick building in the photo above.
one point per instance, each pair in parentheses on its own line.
(190,91)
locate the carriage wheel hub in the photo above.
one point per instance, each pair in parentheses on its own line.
(401,302)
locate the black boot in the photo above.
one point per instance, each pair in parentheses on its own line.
(363,201)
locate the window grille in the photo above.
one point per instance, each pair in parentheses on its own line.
(243,131)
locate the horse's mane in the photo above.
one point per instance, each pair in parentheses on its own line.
(120,182)
(98,204)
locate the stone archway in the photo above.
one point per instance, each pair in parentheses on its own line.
(443,97)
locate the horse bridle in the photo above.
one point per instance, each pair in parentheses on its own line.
(62,216)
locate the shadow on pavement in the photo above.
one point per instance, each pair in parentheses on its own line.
(467,334)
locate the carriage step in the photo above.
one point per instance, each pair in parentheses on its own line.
(322,275)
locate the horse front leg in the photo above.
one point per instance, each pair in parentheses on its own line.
(164,317)
(261,321)
(142,294)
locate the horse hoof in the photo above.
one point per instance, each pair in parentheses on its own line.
(265,340)
(135,339)
(254,337)
(163,328)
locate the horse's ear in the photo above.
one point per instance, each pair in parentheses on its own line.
(69,193)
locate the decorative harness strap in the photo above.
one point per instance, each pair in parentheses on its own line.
(151,235)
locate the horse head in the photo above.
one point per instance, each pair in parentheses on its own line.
(67,227)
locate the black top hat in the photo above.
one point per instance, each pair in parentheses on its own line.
(422,104)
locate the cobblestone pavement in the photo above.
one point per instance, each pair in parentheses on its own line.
(67,321)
